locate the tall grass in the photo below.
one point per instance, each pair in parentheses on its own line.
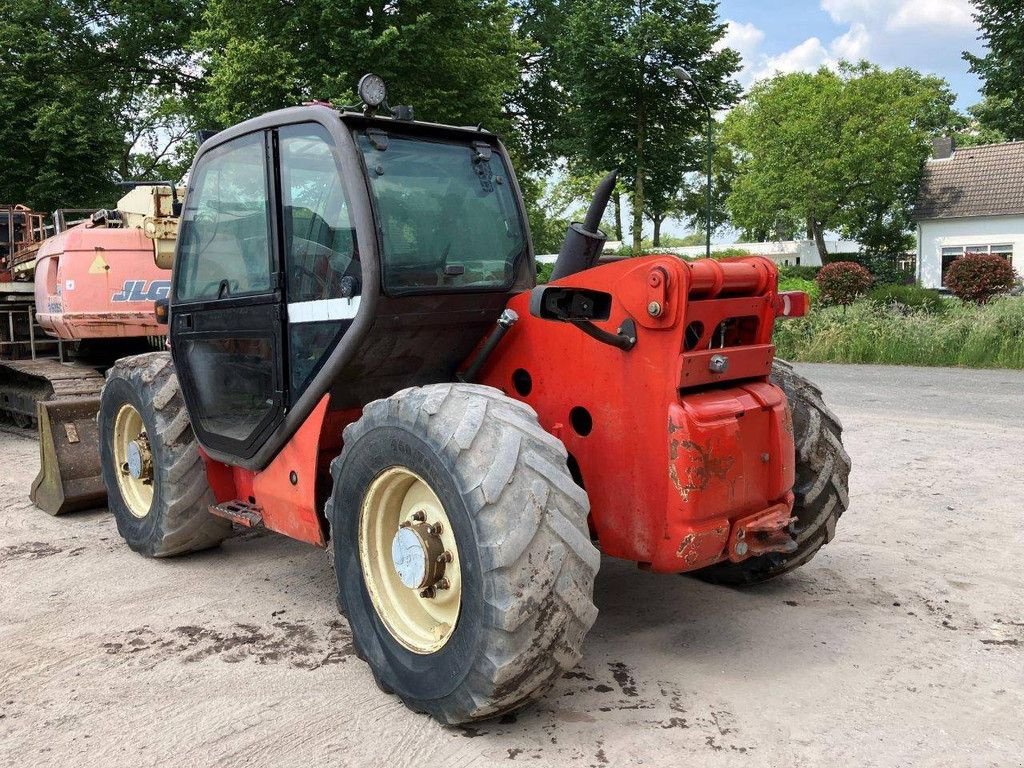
(988,336)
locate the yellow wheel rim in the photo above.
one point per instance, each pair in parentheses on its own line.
(134,461)
(410,560)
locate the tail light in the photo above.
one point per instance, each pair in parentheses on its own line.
(792,304)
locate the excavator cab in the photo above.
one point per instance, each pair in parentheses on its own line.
(360,356)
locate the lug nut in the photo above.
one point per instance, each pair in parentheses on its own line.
(434,530)
(419,516)
(428,592)
(444,557)
(443,584)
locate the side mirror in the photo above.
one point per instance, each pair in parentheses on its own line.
(569,304)
(581,307)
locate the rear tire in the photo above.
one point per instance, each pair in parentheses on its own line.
(176,518)
(526,563)
(821,487)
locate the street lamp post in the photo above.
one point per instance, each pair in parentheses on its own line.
(685,77)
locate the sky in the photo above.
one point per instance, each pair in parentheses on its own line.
(802,35)
(798,35)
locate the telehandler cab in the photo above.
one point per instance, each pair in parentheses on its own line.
(359,356)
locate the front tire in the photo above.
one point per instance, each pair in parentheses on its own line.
(821,487)
(523,562)
(155,478)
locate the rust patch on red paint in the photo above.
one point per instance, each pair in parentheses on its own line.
(698,547)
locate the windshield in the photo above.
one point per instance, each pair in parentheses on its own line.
(446,214)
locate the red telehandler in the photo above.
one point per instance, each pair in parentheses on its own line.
(360,357)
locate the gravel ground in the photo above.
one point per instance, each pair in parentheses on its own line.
(900,644)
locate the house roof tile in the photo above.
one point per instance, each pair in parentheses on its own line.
(987,180)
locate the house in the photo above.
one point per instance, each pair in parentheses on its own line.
(971,200)
(785,253)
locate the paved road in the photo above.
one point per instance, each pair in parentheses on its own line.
(901,644)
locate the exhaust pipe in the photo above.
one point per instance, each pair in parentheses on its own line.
(584,242)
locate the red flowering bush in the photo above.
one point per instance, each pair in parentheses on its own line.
(842,282)
(978,277)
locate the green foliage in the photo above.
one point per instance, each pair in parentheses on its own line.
(693,200)
(908,298)
(83,87)
(544,272)
(1001,67)
(729,253)
(842,283)
(884,267)
(626,110)
(970,335)
(978,277)
(78,80)
(455,61)
(799,284)
(979,126)
(838,151)
(804,273)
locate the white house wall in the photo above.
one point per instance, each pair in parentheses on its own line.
(936,234)
(779,251)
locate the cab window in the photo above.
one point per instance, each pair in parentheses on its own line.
(320,243)
(446,215)
(322,264)
(225,225)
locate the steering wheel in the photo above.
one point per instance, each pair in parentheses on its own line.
(321,282)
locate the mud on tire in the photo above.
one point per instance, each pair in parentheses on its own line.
(527,563)
(178,520)
(821,487)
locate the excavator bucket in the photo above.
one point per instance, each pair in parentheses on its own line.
(69,474)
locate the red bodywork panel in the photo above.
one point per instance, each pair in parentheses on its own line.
(685,463)
(677,454)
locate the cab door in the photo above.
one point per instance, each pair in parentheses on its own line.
(227,304)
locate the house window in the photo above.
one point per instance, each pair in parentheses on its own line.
(1006,251)
(949,255)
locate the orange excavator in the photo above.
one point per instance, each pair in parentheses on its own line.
(78,290)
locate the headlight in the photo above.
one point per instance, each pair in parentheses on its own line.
(372,90)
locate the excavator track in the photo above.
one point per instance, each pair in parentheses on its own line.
(23,383)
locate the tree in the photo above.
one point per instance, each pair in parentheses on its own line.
(1002,66)
(626,109)
(835,151)
(664,200)
(83,87)
(455,61)
(694,201)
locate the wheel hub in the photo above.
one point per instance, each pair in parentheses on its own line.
(134,460)
(410,560)
(418,555)
(139,459)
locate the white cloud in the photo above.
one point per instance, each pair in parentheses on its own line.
(949,17)
(805,57)
(742,37)
(924,34)
(942,16)
(854,44)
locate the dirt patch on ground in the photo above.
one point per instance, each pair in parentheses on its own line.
(901,644)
